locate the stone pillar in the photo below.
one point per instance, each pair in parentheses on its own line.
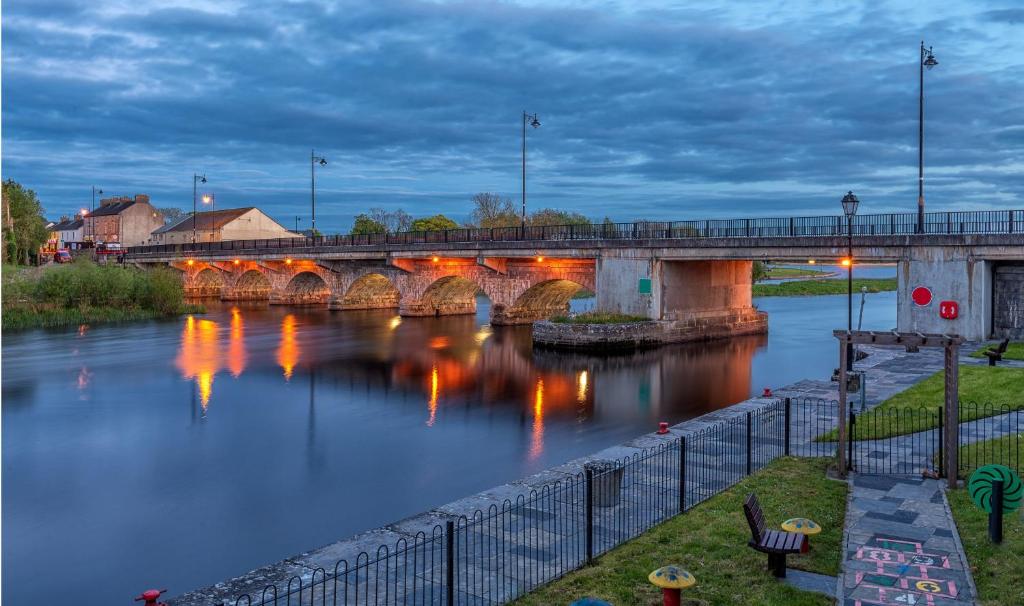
(950,277)
(629,286)
(710,299)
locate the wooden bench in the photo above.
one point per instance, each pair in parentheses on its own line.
(995,354)
(776,543)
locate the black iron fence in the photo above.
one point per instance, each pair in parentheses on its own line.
(496,555)
(908,441)
(893,224)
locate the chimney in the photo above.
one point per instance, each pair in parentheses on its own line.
(142,198)
(63,218)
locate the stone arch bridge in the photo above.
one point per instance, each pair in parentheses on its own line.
(521,290)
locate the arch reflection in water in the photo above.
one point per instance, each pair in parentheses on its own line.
(288,350)
(199,356)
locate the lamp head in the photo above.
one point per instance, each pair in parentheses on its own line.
(202,179)
(930,61)
(850,203)
(535,122)
(207,198)
(323,161)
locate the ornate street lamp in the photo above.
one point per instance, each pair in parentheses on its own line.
(927,60)
(196,179)
(534,122)
(313,161)
(850,203)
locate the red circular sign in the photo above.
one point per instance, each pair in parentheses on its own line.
(921,295)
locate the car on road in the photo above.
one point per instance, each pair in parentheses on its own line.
(62,256)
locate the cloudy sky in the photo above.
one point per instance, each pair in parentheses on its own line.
(656,110)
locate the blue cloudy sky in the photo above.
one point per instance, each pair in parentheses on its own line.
(653,110)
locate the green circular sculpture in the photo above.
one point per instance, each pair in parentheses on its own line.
(980,487)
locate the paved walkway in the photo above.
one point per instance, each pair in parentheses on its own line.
(901,545)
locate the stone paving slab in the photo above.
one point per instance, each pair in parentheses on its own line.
(906,551)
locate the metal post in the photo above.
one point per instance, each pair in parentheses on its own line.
(450,559)
(849,291)
(524,171)
(682,474)
(589,475)
(843,437)
(942,441)
(920,143)
(995,518)
(749,442)
(193,209)
(853,425)
(786,431)
(951,436)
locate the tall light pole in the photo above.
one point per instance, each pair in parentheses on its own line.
(534,122)
(196,178)
(297,219)
(850,203)
(92,222)
(313,161)
(926,60)
(212,200)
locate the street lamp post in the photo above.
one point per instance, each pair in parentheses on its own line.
(212,200)
(196,179)
(313,161)
(850,203)
(92,222)
(297,219)
(926,60)
(534,122)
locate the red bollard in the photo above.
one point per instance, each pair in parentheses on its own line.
(151,596)
(662,427)
(767,392)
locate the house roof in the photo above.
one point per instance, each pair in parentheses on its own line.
(206,221)
(68,225)
(115,208)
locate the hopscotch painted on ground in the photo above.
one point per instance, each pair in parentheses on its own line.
(904,574)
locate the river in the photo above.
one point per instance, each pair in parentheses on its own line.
(180,453)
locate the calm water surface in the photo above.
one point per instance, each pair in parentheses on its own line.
(178,454)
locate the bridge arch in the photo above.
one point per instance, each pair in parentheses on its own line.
(207,282)
(538,302)
(447,295)
(252,285)
(370,291)
(306,288)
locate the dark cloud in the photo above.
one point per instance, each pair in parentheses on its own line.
(726,110)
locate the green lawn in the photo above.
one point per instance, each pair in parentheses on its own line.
(1014,351)
(799,288)
(711,542)
(909,411)
(998,569)
(781,273)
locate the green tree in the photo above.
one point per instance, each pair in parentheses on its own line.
(435,223)
(25,229)
(365,225)
(491,210)
(760,271)
(551,216)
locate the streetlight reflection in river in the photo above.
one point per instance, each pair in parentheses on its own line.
(236,349)
(199,358)
(288,350)
(537,439)
(432,402)
(581,386)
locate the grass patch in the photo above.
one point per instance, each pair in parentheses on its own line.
(998,569)
(786,273)
(711,542)
(1014,350)
(583,293)
(999,386)
(84,292)
(599,317)
(806,288)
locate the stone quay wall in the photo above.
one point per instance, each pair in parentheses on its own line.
(636,335)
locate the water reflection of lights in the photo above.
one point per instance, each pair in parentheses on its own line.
(537,440)
(288,351)
(82,329)
(581,386)
(84,376)
(439,342)
(236,349)
(482,335)
(434,390)
(199,358)
(393,323)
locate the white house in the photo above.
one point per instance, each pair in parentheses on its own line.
(248,223)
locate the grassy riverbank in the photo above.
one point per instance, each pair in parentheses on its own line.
(998,569)
(999,386)
(1014,350)
(805,288)
(710,541)
(788,273)
(86,293)
(599,317)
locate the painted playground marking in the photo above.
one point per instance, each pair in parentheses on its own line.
(901,573)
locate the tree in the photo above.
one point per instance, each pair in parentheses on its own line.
(172,214)
(491,210)
(393,221)
(760,271)
(551,216)
(24,229)
(435,223)
(364,225)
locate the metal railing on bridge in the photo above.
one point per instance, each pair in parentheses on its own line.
(893,224)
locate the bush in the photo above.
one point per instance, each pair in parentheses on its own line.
(599,317)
